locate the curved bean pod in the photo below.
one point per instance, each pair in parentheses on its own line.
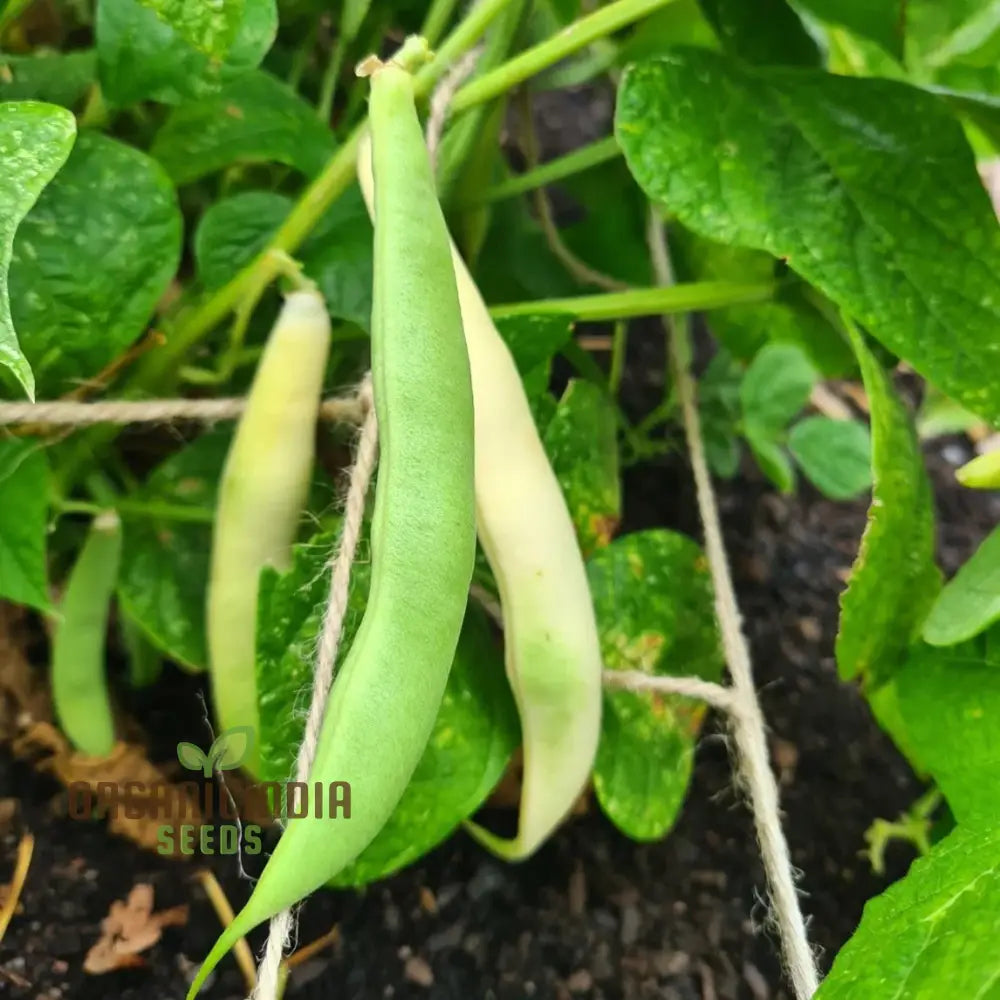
(387,694)
(79,685)
(261,494)
(553,656)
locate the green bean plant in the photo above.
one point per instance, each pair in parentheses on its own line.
(202,201)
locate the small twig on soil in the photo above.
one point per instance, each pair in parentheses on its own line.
(24,851)
(829,403)
(328,940)
(241,950)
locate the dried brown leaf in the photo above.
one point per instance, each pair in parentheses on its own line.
(129,928)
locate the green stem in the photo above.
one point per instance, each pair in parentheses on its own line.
(328,85)
(12,11)
(601,23)
(438,15)
(696,296)
(619,343)
(315,200)
(576,162)
(138,508)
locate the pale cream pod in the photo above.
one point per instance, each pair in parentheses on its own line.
(553,656)
(261,495)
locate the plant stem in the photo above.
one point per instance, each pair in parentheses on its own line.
(140,508)
(693,297)
(746,716)
(12,11)
(619,344)
(328,85)
(576,162)
(438,15)
(602,22)
(193,325)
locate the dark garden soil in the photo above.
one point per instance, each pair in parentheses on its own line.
(592,915)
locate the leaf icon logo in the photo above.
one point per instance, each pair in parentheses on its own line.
(226,753)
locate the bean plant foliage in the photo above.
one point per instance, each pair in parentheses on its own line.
(170,166)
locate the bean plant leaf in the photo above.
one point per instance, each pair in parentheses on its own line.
(933,934)
(56,77)
(533,342)
(470,747)
(143,57)
(653,600)
(857,183)
(110,203)
(209,27)
(771,456)
(253,119)
(337,255)
(768,32)
(582,443)
(163,579)
(834,455)
(789,318)
(950,702)
(882,21)
(473,738)
(776,387)
(24,499)
(894,578)
(719,405)
(35,140)
(969,603)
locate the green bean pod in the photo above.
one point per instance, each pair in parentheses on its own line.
(982,473)
(388,691)
(261,494)
(79,685)
(552,651)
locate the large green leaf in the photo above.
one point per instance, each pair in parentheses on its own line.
(92,259)
(209,26)
(950,703)
(653,599)
(337,255)
(143,57)
(163,580)
(254,118)
(970,602)
(35,140)
(582,443)
(57,77)
(882,21)
(472,740)
(24,501)
(767,32)
(894,578)
(933,934)
(866,187)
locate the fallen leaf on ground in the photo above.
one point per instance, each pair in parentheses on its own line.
(130,928)
(126,765)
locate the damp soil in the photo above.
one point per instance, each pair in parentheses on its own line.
(592,915)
